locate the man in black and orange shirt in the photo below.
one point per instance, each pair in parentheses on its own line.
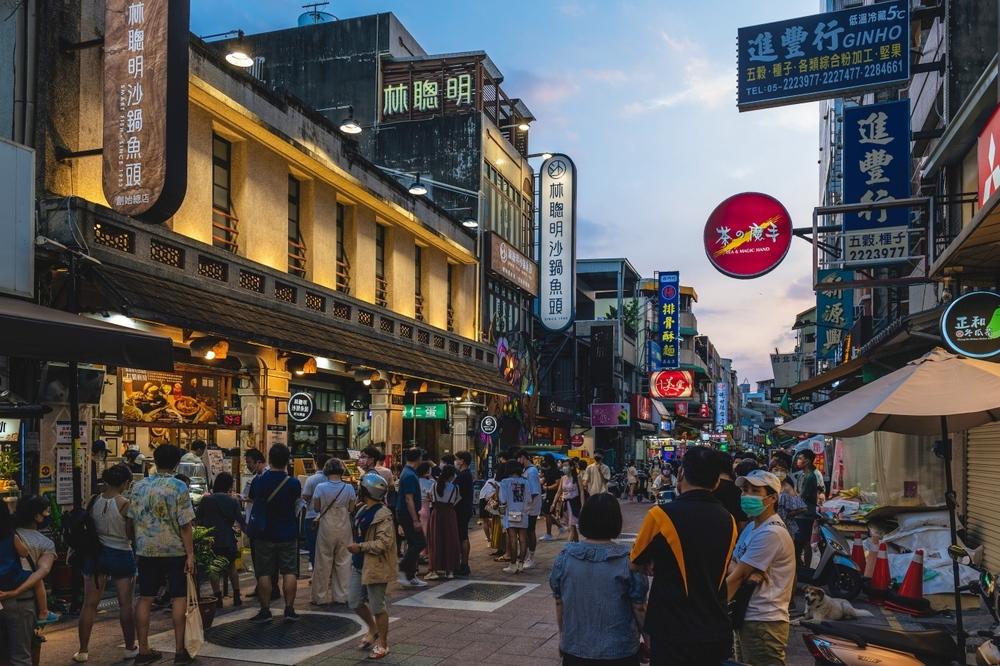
(688,543)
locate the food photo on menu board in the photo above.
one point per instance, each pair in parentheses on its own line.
(170,397)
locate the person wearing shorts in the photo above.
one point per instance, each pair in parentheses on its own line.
(373,563)
(163,519)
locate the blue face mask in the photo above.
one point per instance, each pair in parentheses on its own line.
(752,505)
(45,523)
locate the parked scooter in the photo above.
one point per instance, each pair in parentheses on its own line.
(854,644)
(836,570)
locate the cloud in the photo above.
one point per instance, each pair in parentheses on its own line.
(703,85)
(678,44)
(798,117)
(539,90)
(610,76)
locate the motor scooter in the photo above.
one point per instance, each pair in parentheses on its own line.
(855,644)
(835,570)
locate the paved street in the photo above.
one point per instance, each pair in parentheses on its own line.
(502,620)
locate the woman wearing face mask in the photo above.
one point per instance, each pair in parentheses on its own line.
(568,497)
(761,573)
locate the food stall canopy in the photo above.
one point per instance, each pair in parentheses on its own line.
(33,331)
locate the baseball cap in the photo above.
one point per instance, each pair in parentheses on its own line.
(759,477)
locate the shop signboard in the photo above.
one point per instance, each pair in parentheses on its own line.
(9,429)
(721,404)
(170,397)
(64,472)
(642,408)
(576,440)
(823,55)
(654,356)
(488,425)
(145,106)
(681,409)
(427,411)
(511,265)
(671,384)
(610,414)
(669,319)
(17,222)
(876,168)
(64,432)
(703,411)
(277,434)
(970,325)
(748,235)
(557,243)
(301,406)
(988,152)
(834,315)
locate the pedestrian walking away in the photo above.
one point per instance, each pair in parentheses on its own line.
(514,502)
(408,504)
(600,598)
(334,501)
(551,476)
(308,490)
(373,563)
(443,538)
(761,576)
(274,529)
(220,511)
(686,545)
(465,509)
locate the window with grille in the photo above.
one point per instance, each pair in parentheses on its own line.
(509,213)
(225,224)
(451,288)
(343,265)
(296,245)
(418,296)
(381,285)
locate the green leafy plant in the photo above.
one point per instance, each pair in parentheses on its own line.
(209,564)
(9,464)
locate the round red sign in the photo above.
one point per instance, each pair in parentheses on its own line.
(748,235)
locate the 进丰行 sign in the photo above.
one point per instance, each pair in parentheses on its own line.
(813,57)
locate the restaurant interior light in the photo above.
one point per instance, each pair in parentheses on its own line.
(210,348)
(349,125)
(417,188)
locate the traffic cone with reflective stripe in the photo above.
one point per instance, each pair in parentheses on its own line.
(858,552)
(910,596)
(878,589)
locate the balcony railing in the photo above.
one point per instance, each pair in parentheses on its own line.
(451,319)
(296,257)
(418,307)
(225,229)
(381,292)
(344,275)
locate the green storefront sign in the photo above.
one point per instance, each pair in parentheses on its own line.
(431,410)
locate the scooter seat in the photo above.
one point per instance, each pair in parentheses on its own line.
(932,642)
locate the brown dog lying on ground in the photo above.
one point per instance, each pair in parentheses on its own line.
(820,607)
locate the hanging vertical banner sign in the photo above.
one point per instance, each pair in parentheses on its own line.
(669,316)
(557,247)
(145,106)
(988,153)
(834,315)
(721,404)
(877,168)
(814,57)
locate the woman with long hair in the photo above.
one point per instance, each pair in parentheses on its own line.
(220,511)
(445,556)
(568,497)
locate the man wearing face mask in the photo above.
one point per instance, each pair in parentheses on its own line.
(764,561)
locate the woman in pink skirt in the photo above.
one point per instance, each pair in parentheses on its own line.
(568,497)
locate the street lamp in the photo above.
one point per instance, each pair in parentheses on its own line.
(239,54)
(417,188)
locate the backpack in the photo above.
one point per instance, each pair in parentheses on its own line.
(80,534)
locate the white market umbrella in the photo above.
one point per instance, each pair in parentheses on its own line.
(936,393)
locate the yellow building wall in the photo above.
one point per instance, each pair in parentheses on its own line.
(194,218)
(436,294)
(264,208)
(401,272)
(323,237)
(363,259)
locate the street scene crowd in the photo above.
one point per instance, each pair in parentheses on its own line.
(710,576)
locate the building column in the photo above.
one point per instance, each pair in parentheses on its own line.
(464,426)
(264,398)
(387,420)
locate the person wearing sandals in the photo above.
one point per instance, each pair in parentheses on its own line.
(442,538)
(334,503)
(115,563)
(515,500)
(373,563)
(600,599)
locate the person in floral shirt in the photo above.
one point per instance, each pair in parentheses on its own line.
(163,517)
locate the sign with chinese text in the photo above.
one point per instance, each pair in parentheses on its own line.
(876,168)
(145,106)
(748,235)
(721,404)
(988,150)
(171,397)
(557,243)
(642,408)
(813,57)
(576,440)
(64,432)
(654,356)
(430,410)
(277,434)
(610,414)
(409,92)
(488,425)
(681,409)
(834,315)
(671,384)
(970,325)
(300,406)
(513,266)
(9,430)
(669,319)
(703,410)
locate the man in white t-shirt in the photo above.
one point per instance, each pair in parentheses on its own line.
(534,505)
(764,557)
(595,478)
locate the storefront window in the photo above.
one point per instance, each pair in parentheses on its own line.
(510,212)
(508,308)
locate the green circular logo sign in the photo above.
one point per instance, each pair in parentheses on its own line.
(970,325)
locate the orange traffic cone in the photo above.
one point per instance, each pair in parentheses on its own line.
(913,581)
(858,552)
(879,586)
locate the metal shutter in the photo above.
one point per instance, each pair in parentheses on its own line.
(983,491)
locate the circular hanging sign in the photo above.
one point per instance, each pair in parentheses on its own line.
(488,425)
(970,325)
(300,407)
(671,384)
(576,440)
(748,235)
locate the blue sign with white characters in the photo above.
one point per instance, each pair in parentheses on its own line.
(834,315)
(814,57)
(670,320)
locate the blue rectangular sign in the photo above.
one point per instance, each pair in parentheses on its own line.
(654,356)
(670,320)
(834,315)
(813,57)
(721,404)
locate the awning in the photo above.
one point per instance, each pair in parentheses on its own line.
(33,331)
(974,250)
(661,409)
(821,380)
(158,300)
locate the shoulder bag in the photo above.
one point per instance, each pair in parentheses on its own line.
(332,502)
(257,524)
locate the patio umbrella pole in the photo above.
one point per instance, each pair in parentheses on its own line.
(949,497)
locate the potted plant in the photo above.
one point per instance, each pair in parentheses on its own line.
(9,467)
(209,566)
